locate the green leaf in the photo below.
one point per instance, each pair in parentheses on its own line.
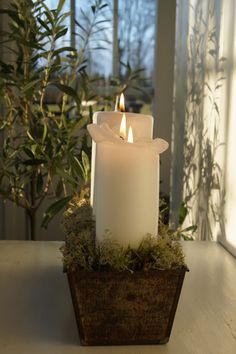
(86,165)
(82,67)
(63,49)
(61,33)
(64,16)
(48,14)
(67,177)
(34,148)
(90,113)
(78,168)
(30,136)
(2,127)
(182,213)
(43,23)
(45,130)
(78,126)
(30,85)
(54,209)
(69,91)
(192,228)
(28,152)
(60,6)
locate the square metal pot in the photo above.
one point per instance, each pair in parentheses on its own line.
(115,308)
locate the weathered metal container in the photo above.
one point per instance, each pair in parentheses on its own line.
(123,308)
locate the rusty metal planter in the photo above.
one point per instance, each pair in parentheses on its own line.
(123,308)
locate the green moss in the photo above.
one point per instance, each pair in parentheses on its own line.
(113,256)
(81,251)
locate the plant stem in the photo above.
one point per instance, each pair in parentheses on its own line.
(32,225)
(32,214)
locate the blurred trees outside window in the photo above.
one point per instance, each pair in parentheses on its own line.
(136,44)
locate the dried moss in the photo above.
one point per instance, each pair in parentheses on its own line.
(78,216)
(160,252)
(81,251)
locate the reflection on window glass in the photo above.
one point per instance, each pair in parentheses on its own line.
(136,41)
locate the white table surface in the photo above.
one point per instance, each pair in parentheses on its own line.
(36,314)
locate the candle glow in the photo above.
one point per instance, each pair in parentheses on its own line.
(123,127)
(130,135)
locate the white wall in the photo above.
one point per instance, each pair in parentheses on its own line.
(227,236)
(209,132)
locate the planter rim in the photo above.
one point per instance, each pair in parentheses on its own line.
(91,273)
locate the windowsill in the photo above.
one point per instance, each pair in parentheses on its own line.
(37,315)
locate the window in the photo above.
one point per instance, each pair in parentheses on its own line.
(135,39)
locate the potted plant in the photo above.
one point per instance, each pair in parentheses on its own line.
(44,152)
(121,295)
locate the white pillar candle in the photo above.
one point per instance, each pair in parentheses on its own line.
(142,126)
(127,186)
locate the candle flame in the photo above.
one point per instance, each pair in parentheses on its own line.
(130,136)
(122,103)
(123,127)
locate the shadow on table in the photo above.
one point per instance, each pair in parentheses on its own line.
(37,306)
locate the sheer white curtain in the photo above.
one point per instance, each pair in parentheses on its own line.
(205,118)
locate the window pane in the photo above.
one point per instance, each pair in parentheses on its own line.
(136,42)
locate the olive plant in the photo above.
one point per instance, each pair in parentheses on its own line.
(41,155)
